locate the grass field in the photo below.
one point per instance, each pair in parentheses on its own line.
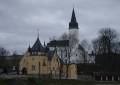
(36,81)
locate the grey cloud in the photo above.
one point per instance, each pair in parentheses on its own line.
(20,19)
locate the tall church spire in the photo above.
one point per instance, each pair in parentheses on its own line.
(38,34)
(73,18)
(73,23)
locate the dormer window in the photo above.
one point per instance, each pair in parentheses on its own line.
(34,53)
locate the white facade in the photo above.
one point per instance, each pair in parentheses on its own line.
(74,51)
(74,37)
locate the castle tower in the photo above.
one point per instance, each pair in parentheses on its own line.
(73,30)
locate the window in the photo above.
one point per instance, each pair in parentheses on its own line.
(44,63)
(33,67)
(42,54)
(34,53)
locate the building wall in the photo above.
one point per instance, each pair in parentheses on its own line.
(74,38)
(62,52)
(72,71)
(55,66)
(33,63)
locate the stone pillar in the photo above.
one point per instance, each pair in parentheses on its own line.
(106,78)
(112,78)
(101,78)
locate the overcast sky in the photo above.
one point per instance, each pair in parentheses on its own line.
(20,19)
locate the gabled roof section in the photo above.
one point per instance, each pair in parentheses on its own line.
(37,47)
(51,54)
(81,48)
(58,43)
(73,23)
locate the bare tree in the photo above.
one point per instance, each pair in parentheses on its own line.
(116,47)
(86,45)
(52,38)
(15,58)
(106,49)
(3,54)
(96,46)
(87,50)
(104,43)
(73,43)
(71,37)
(64,36)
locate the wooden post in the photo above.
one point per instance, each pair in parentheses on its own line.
(39,70)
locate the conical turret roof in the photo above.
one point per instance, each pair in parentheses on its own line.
(37,47)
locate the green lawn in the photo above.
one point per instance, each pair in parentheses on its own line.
(36,81)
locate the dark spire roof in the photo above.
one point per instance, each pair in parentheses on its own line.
(44,44)
(73,23)
(73,18)
(81,48)
(29,49)
(37,47)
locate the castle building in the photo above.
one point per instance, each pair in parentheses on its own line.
(58,58)
(39,60)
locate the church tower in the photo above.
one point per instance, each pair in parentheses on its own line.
(73,30)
